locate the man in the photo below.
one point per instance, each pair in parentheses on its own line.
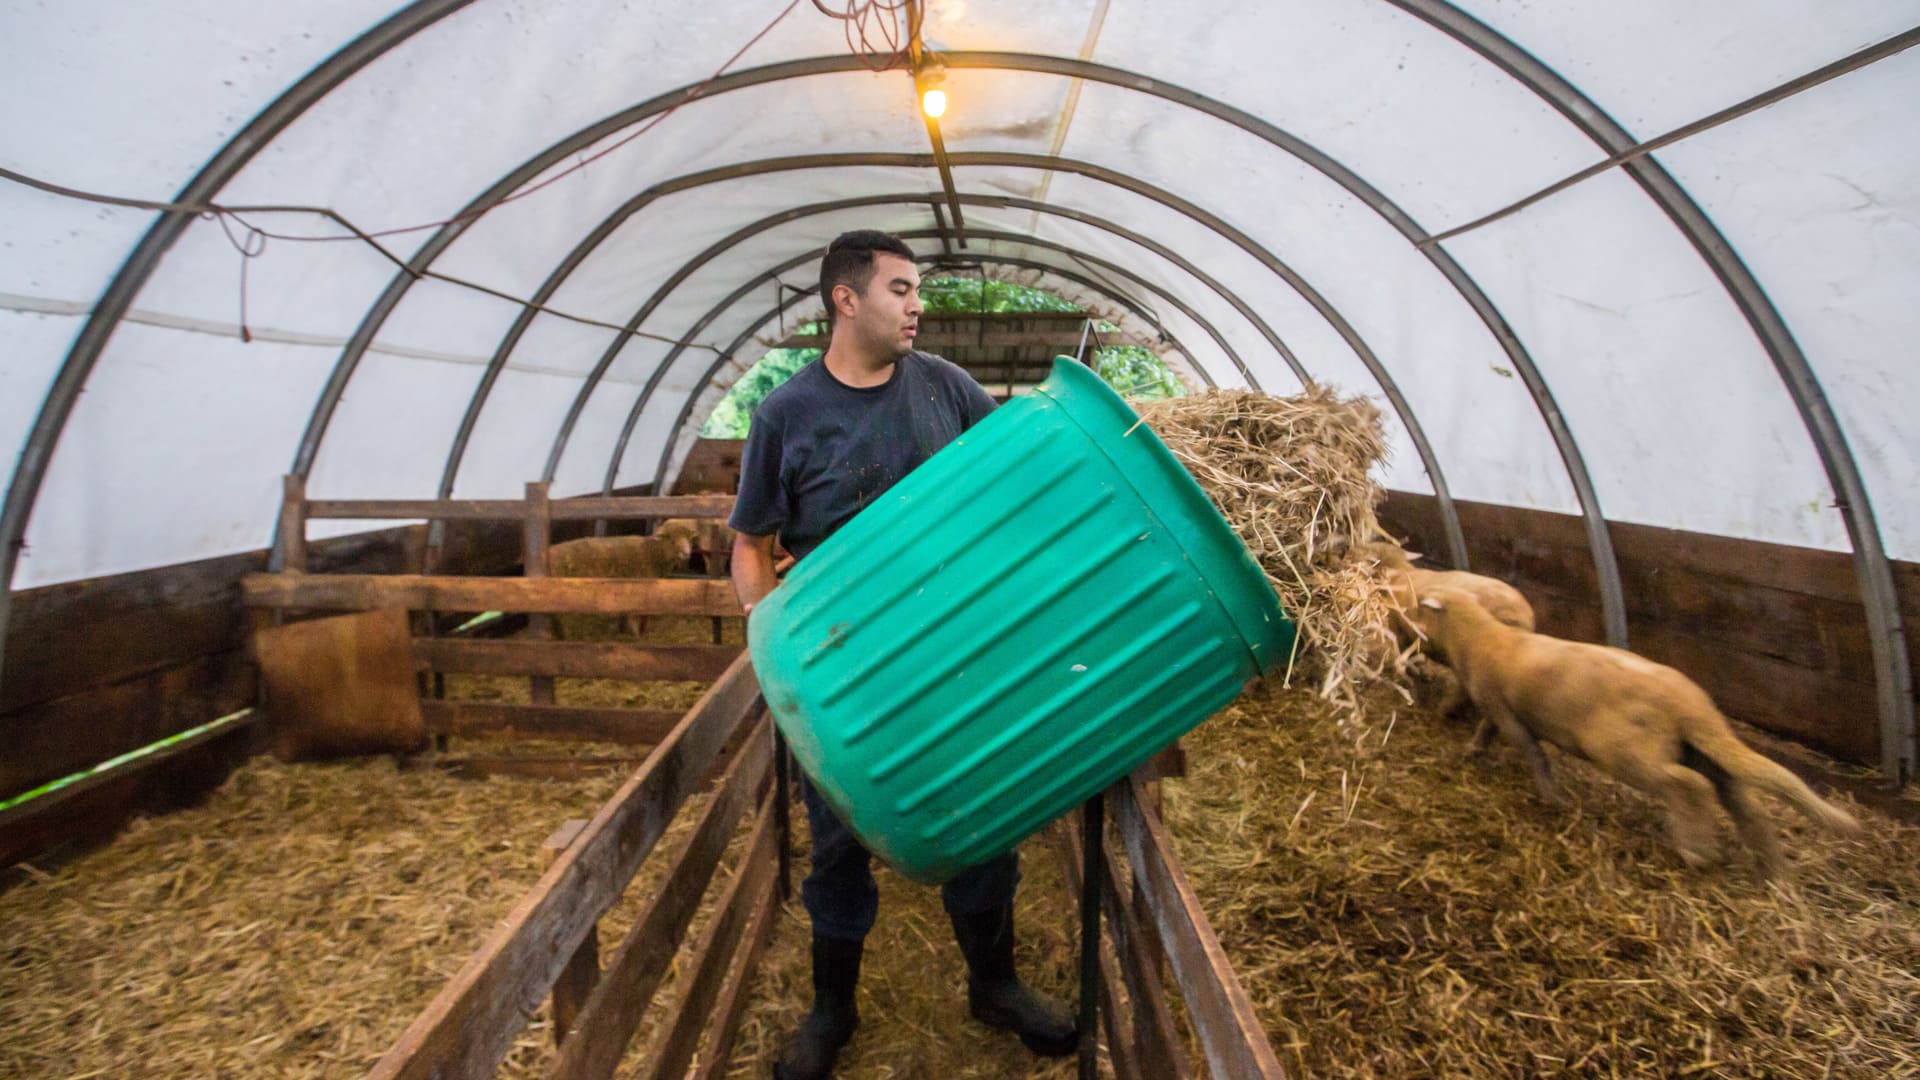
(822,446)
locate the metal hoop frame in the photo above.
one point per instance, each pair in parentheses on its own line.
(1873,568)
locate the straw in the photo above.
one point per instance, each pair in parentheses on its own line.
(1293,476)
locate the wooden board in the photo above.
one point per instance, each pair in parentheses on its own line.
(698,989)
(56,738)
(730,1007)
(471,1024)
(341,685)
(575,659)
(1230,1034)
(92,813)
(712,465)
(78,636)
(1124,1027)
(577,509)
(636,969)
(525,767)
(1776,634)
(579,723)
(578,596)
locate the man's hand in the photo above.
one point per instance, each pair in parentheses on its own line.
(753,571)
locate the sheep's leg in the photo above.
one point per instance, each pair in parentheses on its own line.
(1517,734)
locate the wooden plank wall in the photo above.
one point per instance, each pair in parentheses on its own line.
(1775,633)
(99,667)
(713,465)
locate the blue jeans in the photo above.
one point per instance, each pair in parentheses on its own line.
(840,894)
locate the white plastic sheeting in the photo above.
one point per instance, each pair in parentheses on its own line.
(174,449)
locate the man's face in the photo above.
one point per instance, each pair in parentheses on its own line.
(887,315)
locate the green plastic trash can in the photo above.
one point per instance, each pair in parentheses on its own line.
(1030,615)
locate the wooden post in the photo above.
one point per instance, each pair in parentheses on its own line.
(1092,866)
(536,536)
(577,979)
(293,524)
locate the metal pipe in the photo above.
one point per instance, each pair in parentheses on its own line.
(686,406)
(770,73)
(692,266)
(1606,568)
(666,363)
(1893,677)
(31,468)
(1449,514)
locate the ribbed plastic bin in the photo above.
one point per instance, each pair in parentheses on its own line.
(1030,615)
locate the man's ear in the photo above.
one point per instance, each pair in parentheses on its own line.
(1433,602)
(843,300)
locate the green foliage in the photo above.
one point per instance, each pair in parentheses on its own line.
(959,296)
(1134,371)
(729,419)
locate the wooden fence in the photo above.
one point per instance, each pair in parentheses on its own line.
(1153,938)
(436,601)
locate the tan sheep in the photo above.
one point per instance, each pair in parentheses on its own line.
(666,552)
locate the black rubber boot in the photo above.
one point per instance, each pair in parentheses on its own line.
(995,995)
(809,1054)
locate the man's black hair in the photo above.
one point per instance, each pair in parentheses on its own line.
(849,262)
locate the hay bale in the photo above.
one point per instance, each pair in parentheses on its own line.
(341,686)
(1294,477)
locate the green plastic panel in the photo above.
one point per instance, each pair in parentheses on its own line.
(1030,615)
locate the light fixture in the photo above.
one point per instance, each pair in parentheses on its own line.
(930,77)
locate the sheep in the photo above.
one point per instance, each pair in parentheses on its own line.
(667,551)
(1643,723)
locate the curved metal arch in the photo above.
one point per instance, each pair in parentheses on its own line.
(588,244)
(226,163)
(1449,515)
(1599,542)
(813,254)
(1871,563)
(335,387)
(786,216)
(1893,677)
(1607,571)
(692,266)
(786,302)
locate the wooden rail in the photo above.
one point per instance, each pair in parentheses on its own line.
(571,596)
(1222,1016)
(590,508)
(1155,928)
(469,1027)
(580,723)
(574,659)
(636,969)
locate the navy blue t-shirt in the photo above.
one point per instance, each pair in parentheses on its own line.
(819,451)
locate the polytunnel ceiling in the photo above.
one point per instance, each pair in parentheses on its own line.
(1224,179)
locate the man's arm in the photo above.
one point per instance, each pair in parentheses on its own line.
(753,574)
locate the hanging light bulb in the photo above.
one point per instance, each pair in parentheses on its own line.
(934,102)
